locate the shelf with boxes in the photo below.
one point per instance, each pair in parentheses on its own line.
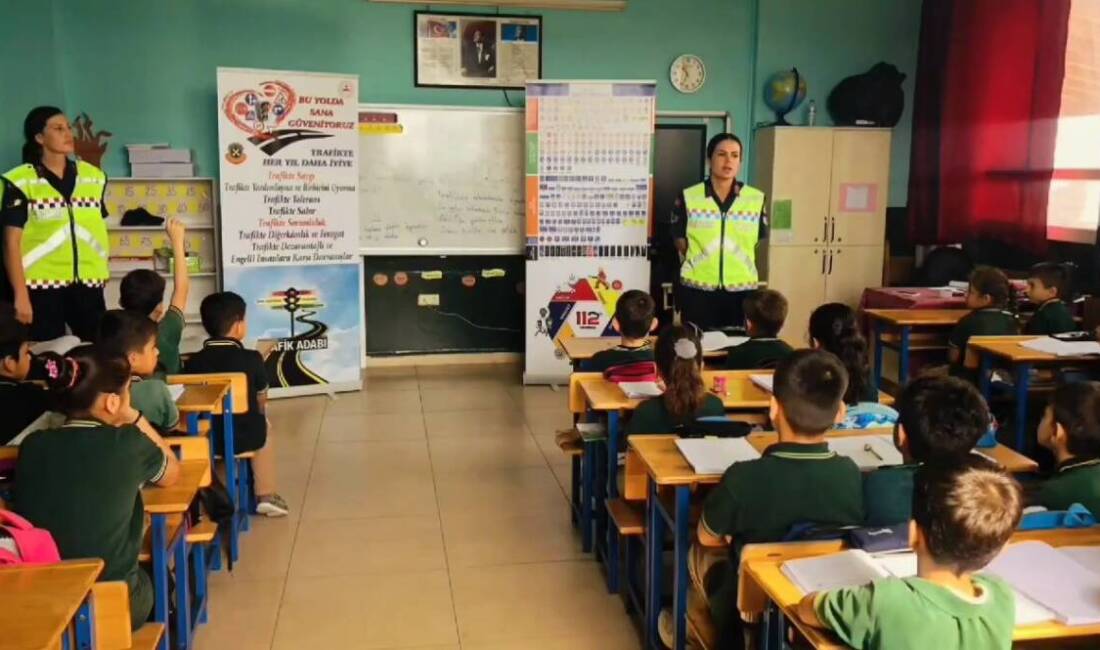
(193,201)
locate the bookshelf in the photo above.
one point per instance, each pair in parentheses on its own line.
(191,200)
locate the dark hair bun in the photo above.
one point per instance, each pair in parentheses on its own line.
(59,372)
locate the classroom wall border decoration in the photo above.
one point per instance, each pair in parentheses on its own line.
(589,197)
(290,209)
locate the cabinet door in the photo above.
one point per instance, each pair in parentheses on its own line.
(860,181)
(798,272)
(851,269)
(793,166)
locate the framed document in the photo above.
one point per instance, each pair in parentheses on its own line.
(477,51)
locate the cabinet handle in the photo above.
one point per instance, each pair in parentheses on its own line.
(830,262)
(822,261)
(824,229)
(832,233)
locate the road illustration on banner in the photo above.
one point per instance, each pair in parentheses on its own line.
(285,365)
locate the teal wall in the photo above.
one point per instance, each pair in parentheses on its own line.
(144,70)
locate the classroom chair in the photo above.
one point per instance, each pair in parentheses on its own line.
(626,531)
(111,611)
(201,536)
(587,496)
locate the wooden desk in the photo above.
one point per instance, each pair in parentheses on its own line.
(202,398)
(894,328)
(982,351)
(37,604)
(580,349)
(768,576)
(162,503)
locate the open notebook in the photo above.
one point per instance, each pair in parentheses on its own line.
(763,381)
(1060,348)
(715,455)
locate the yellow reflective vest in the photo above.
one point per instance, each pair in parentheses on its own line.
(721,250)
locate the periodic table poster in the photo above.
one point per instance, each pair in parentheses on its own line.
(589,196)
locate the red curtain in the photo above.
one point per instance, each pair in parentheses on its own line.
(989,85)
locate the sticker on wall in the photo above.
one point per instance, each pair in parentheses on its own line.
(468,280)
(431,275)
(492,273)
(400,278)
(381,279)
(781,219)
(858,197)
(379,123)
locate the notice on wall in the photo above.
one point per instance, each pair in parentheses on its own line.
(289,231)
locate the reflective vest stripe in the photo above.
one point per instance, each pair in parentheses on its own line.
(45,248)
(89,239)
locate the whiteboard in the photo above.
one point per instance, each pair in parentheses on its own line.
(441,180)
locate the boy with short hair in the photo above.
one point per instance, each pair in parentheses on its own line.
(1048,288)
(963,514)
(223,316)
(796,480)
(939,418)
(765,313)
(129,334)
(988,297)
(1070,429)
(143,291)
(635,319)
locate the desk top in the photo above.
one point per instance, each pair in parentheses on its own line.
(921,317)
(1009,349)
(767,574)
(175,499)
(667,466)
(583,349)
(37,603)
(202,398)
(741,393)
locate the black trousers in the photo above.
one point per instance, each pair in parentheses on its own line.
(712,310)
(77,305)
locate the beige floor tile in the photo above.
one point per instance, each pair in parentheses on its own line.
(452,382)
(501,491)
(405,381)
(548,445)
(543,421)
(540,397)
(370,496)
(489,539)
(625,640)
(474,423)
(357,457)
(539,601)
(367,546)
(265,551)
(242,615)
(484,453)
(563,474)
(376,401)
(467,371)
(384,611)
(466,398)
(365,426)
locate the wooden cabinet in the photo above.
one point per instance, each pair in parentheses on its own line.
(826,190)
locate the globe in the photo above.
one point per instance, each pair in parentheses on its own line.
(783,92)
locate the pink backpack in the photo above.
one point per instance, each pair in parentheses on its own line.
(32,545)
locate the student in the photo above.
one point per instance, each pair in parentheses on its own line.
(796,480)
(765,313)
(963,514)
(82,481)
(21,403)
(940,418)
(129,334)
(834,327)
(679,358)
(1048,288)
(1070,429)
(223,316)
(987,297)
(635,318)
(143,291)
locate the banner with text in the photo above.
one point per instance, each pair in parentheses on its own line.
(289,229)
(589,199)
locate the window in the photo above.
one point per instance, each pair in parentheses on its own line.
(1073,208)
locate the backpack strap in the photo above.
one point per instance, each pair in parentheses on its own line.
(9,518)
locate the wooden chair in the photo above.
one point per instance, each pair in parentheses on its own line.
(581,462)
(112,620)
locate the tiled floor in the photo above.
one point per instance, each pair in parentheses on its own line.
(429,511)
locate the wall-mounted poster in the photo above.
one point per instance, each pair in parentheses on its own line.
(477,51)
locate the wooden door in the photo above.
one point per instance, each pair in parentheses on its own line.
(860,182)
(798,272)
(792,166)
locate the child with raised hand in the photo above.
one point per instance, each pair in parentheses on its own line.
(134,336)
(1070,429)
(964,512)
(679,357)
(143,291)
(82,481)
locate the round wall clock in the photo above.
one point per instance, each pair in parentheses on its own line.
(687,73)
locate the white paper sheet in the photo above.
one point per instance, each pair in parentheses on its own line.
(712,341)
(763,381)
(715,455)
(640,389)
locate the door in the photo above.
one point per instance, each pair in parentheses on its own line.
(798,272)
(793,167)
(860,181)
(851,269)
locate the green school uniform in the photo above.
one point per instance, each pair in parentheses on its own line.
(1075,481)
(757,353)
(652,415)
(169,333)
(915,614)
(888,495)
(983,322)
(151,397)
(1052,317)
(620,355)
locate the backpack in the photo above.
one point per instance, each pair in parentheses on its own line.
(638,371)
(32,545)
(217,505)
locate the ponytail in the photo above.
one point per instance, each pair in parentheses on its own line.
(834,327)
(77,379)
(679,357)
(32,152)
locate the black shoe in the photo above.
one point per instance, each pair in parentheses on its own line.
(140,217)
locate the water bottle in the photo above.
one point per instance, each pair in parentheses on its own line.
(811,113)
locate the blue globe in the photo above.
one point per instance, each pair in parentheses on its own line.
(783,92)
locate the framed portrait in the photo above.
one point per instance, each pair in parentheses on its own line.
(477,51)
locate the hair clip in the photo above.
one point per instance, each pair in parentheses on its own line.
(685,348)
(75,372)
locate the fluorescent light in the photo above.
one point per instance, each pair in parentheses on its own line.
(561,5)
